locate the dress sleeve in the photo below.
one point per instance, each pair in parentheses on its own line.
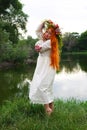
(45,46)
(39,31)
(38,43)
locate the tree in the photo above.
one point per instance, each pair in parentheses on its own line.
(70,40)
(4,36)
(82,45)
(13,18)
(31,42)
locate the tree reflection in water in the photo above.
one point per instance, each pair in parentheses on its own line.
(69,82)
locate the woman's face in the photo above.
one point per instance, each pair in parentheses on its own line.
(47,34)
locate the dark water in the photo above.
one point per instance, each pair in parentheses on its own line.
(70,82)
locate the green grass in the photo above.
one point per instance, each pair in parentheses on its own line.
(20,114)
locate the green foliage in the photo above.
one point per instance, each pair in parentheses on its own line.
(22,115)
(12,53)
(75,42)
(19,52)
(83,41)
(13,18)
(70,41)
(4,37)
(6,50)
(60,43)
(31,43)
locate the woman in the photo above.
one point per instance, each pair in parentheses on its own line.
(41,89)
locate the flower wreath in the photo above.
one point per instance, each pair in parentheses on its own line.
(48,24)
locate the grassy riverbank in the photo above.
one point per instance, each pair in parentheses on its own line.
(21,115)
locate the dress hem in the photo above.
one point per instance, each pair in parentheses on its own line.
(38,102)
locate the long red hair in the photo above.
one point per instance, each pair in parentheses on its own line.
(55,57)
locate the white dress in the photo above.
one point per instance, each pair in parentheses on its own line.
(41,88)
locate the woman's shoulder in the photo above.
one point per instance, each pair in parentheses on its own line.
(48,41)
(38,42)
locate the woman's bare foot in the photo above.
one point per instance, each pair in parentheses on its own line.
(48,110)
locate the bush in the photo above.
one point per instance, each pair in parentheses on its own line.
(12,53)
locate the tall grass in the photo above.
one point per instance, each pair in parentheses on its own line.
(20,114)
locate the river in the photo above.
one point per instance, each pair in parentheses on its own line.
(70,82)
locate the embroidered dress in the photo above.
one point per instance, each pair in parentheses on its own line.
(41,88)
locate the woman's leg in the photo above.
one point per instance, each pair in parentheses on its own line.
(51,105)
(48,109)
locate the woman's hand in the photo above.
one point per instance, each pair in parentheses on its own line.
(38,48)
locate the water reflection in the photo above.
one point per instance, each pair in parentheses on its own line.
(70,82)
(71,85)
(70,62)
(11,81)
